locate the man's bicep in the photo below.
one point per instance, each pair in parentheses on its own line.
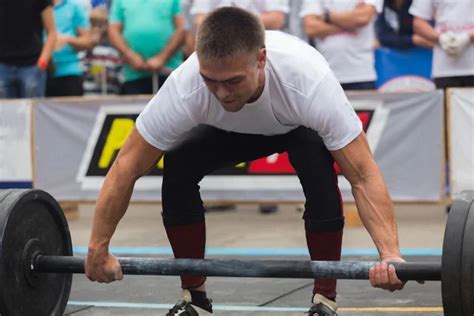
(355,159)
(137,156)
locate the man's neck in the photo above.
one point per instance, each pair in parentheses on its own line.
(260,88)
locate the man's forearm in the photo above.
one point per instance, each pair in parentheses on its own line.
(314,26)
(376,212)
(110,208)
(117,40)
(175,43)
(81,42)
(48,47)
(352,20)
(424,29)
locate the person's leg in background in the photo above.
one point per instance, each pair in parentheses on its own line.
(142,85)
(64,86)
(207,149)
(32,82)
(138,86)
(8,82)
(323,214)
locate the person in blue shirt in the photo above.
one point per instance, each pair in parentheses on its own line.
(394,26)
(73,27)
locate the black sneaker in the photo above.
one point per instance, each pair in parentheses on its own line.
(322,306)
(184,307)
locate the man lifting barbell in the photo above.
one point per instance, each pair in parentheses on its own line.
(36,262)
(246,94)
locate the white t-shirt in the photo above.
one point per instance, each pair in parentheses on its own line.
(300,90)
(255,6)
(350,54)
(449,15)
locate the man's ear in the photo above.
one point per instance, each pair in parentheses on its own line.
(262,58)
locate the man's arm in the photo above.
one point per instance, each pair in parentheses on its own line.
(424,29)
(371,194)
(134,160)
(360,16)
(175,43)
(47,19)
(116,39)
(82,41)
(314,26)
(375,208)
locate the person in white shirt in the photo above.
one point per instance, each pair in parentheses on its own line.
(344,34)
(452,37)
(273,14)
(243,95)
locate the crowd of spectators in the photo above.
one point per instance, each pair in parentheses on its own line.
(76,47)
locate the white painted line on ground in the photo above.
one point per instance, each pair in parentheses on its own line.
(243,308)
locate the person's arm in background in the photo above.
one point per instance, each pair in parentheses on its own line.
(425,30)
(135,60)
(360,16)
(273,20)
(198,19)
(315,26)
(176,42)
(423,11)
(117,19)
(82,41)
(47,19)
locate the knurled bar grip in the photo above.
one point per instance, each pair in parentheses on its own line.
(239,268)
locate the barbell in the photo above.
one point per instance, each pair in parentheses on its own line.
(36,262)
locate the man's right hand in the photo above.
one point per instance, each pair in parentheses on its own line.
(136,61)
(102,267)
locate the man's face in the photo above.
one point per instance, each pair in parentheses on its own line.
(235,81)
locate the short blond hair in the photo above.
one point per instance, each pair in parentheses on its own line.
(229,31)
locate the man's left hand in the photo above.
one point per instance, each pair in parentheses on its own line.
(155,63)
(384,276)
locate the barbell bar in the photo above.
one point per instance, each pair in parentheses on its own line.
(36,262)
(293,269)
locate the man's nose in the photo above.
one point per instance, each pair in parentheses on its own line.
(222,91)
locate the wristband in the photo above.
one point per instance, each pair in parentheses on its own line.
(327,16)
(42,64)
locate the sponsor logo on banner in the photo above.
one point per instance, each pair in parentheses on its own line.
(114,123)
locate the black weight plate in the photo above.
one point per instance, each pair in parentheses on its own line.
(452,274)
(27,215)
(468,264)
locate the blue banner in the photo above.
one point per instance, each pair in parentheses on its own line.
(391,63)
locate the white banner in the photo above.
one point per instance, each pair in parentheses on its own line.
(77,141)
(461,139)
(15,144)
